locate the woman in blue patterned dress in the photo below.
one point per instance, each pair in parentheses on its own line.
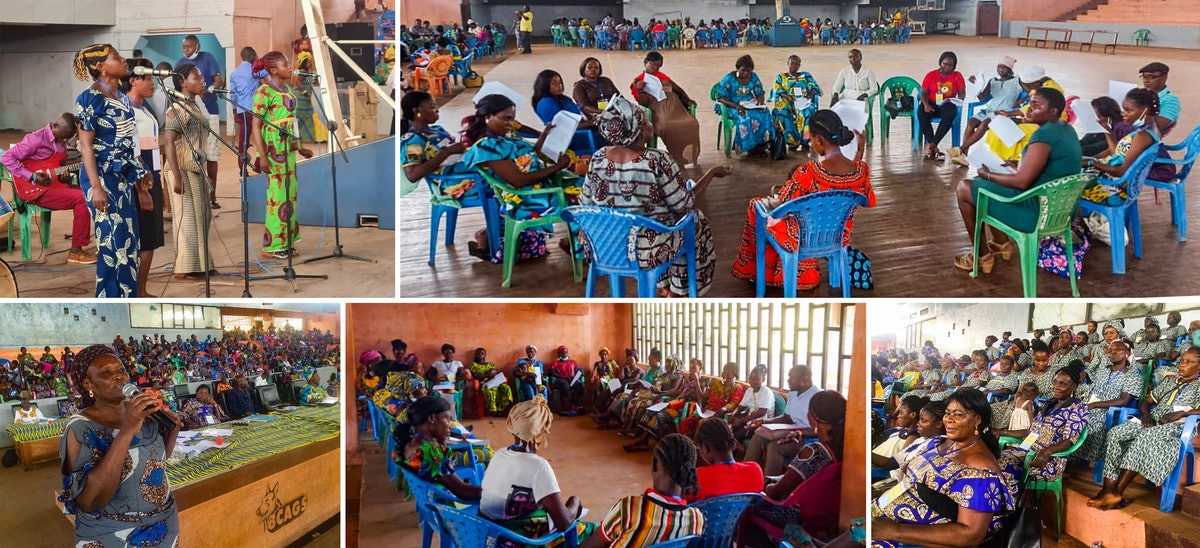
(110,158)
(955,474)
(114,460)
(1057,426)
(789,87)
(425,147)
(742,92)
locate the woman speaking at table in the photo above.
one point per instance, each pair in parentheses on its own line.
(114,460)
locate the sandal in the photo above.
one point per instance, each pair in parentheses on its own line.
(1005,251)
(214,205)
(478,252)
(967,262)
(936,156)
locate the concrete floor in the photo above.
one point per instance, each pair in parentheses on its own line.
(48,275)
(53,529)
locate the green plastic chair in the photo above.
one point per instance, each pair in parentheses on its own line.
(1056,485)
(652,142)
(1141,37)
(1058,201)
(25,214)
(725,123)
(514,227)
(896,85)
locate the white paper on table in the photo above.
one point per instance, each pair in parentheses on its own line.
(216,432)
(706,414)
(654,87)
(578,375)
(496,88)
(558,140)
(983,156)
(1117,89)
(186,435)
(498,380)
(1006,130)
(614,385)
(1086,121)
(751,105)
(852,112)
(657,407)
(780,426)
(329,401)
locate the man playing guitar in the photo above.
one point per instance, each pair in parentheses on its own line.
(44,185)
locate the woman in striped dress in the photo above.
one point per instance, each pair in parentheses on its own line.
(184,140)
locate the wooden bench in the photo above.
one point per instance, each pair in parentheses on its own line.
(1045,32)
(1093,35)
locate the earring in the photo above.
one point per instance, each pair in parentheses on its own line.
(90,394)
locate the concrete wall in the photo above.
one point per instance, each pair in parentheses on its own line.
(1038,10)
(35,325)
(61,12)
(503,329)
(1187,37)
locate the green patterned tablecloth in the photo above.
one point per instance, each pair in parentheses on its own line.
(22,433)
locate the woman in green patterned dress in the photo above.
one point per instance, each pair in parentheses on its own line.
(277,105)
(496,399)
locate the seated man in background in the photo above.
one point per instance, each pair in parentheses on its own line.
(27,412)
(238,399)
(37,188)
(762,448)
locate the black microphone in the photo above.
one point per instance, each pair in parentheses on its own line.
(143,71)
(166,423)
(305,74)
(219,91)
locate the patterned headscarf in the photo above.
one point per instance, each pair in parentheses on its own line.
(621,122)
(529,347)
(78,367)
(369,355)
(530,420)
(605,349)
(89,59)
(631,353)
(562,349)
(1118,326)
(1152,320)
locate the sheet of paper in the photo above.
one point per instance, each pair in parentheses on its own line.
(654,87)
(453,158)
(706,414)
(329,401)
(578,375)
(537,377)
(498,380)
(614,385)
(802,103)
(850,149)
(974,89)
(1086,121)
(751,105)
(214,432)
(496,88)
(1006,130)
(852,112)
(955,101)
(645,383)
(780,426)
(444,386)
(657,407)
(983,156)
(560,136)
(583,512)
(185,436)
(1117,89)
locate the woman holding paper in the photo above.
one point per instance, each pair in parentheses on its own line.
(548,100)
(674,123)
(722,397)
(497,396)
(1056,427)
(1052,153)
(741,94)
(1140,109)
(1149,445)
(795,94)
(938,90)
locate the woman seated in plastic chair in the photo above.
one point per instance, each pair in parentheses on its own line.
(832,172)
(963,493)
(790,86)
(928,426)
(683,402)
(421,446)
(1149,445)
(1052,153)
(520,490)
(526,373)
(629,376)
(630,177)
(907,415)
(741,97)
(673,123)
(516,162)
(1140,110)
(549,99)
(1055,428)
(604,370)
(827,415)
(722,396)
(593,90)
(721,474)
(496,399)
(660,514)
(425,146)
(937,89)
(1031,79)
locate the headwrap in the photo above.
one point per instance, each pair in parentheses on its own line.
(89,59)
(79,366)
(1118,326)
(529,347)
(1152,320)
(530,420)
(369,355)
(631,353)
(562,349)
(1008,62)
(1032,74)
(605,349)
(621,122)
(760,369)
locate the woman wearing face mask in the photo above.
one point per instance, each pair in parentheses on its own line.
(1140,109)
(832,171)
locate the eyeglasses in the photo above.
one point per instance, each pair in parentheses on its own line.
(956,416)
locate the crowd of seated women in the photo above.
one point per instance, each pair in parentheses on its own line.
(964,460)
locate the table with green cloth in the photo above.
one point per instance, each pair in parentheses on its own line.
(25,433)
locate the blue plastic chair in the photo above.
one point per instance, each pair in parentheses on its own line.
(822,218)
(1175,187)
(995,397)
(721,517)
(480,196)
(1187,454)
(1114,416)
(466,529)
(610,234)
(681,542)
(427,495)
(660,40)
(462,67)
(1126,214)
(955,129)
(637,37)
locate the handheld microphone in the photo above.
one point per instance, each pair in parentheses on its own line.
(305,74)
(219,91)
(143,71)
(130,390)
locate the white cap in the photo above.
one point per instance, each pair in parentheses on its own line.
(1032,73)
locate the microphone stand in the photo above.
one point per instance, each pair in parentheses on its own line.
(332,126)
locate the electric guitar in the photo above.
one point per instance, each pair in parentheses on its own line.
(52,167)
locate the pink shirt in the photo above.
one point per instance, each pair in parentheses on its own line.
(38,145)
(564,369)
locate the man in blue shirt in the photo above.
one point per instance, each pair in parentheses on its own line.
(211,71)
(1154,78)
(243,84)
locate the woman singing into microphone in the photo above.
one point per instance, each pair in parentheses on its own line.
(278,106)
(184,139)
(113,459)
(111,168)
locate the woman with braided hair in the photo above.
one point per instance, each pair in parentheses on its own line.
(111,168)
(421,445)
(520,490)
(274,102)
(660,513)
(113,459)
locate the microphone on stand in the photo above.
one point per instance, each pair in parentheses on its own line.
(177,94)
(306,74)
(130,390)
(144,71)
(219,91)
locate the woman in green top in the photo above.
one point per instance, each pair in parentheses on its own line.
(1053,152)
(496,399)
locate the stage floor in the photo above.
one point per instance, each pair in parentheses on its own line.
(48,275)
(911,236)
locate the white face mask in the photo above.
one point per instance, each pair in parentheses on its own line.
(193,56)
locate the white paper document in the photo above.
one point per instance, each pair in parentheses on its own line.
(657,407)
(1086,121)
(780,426)
(852,112)
(214,432)
(496,88)
(537,377)
(654,87)
(802,102)
(578,375)
(498,380)
(1006,130)
(706,414)
(975,88)
(645,383)
(559,139)
(444,386)
(1117,89)
(328,401)
(582,512)
(614,385)
(453,158)
(983,156)
(751,105)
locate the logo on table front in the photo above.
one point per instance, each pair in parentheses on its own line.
(274,514)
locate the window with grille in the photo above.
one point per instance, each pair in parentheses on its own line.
(780,335)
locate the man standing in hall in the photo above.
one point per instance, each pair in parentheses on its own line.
(41,145)
(211,71)
(526,28)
